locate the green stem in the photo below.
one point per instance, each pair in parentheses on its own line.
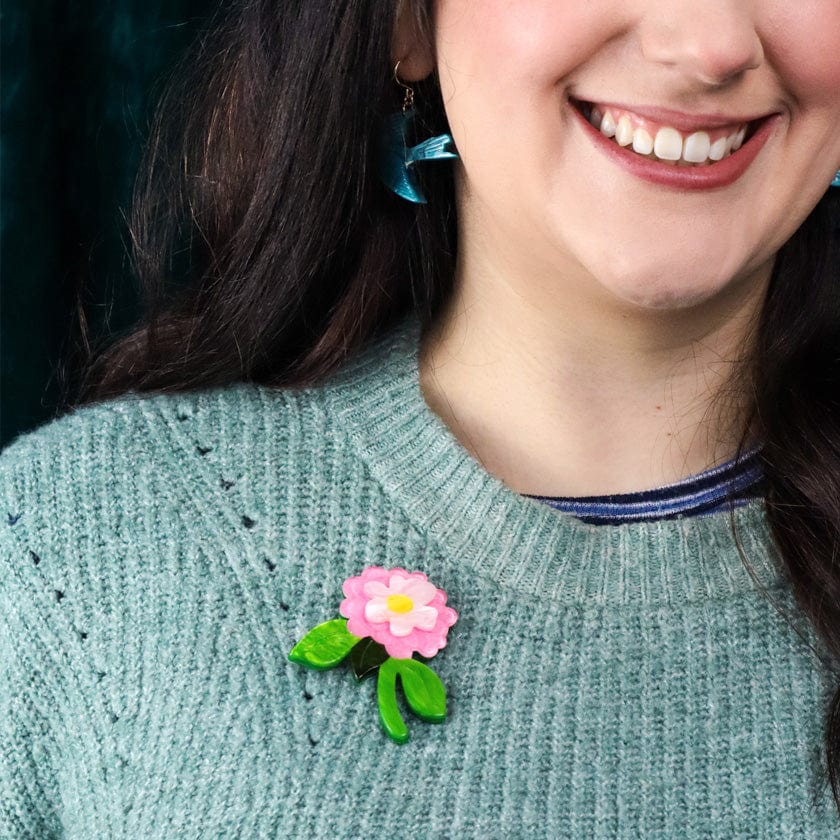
(389,713)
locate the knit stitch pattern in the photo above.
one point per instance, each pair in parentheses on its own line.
(160,555)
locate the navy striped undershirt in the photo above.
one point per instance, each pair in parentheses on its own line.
(698,495)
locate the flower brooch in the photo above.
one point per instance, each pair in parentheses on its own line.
(388,615)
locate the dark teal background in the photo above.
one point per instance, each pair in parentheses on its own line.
(78,80)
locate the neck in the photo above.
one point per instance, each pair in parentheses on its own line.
(575,393)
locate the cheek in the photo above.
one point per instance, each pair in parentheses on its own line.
(500,64)
(803,42)
(506,48)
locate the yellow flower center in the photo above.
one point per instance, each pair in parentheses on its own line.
(399,603)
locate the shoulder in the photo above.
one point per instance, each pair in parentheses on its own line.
(97,457)
(126,480)
(130,470)
(115,505)
(124,445)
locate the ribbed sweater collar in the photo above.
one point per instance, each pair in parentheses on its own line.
(521,543)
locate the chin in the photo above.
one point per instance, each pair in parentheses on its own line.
(669,294)
(668,271)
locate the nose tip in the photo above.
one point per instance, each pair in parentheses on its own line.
(714,49)
(722,74)
(722,66)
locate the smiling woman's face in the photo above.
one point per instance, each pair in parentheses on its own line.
(523,81)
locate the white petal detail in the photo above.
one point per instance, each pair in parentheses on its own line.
(420,591)
(402,625)
(424,617)
(375,588)
(397,584)
(376,611)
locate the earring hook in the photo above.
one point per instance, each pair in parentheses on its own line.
(408,100)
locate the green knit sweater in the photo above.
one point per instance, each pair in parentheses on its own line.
(162,555)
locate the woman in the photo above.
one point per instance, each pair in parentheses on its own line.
(568,431)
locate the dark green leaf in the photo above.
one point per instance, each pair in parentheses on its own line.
(366,657)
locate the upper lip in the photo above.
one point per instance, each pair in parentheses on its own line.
(680,120)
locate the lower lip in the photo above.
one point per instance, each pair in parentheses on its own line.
(721,173)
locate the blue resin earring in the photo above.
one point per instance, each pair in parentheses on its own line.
(836,181)
(394,158)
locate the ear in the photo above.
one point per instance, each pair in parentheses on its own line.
(409,46)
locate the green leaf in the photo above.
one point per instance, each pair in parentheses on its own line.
(325,645)
(423,689)
(386,693)
(366,657)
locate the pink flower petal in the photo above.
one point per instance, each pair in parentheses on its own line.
(370,573)
(399,648)
(423,629)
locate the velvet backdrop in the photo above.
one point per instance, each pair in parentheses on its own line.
(78,79)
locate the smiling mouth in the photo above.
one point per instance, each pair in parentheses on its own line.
(663,143)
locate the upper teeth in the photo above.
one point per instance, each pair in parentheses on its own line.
(668,144)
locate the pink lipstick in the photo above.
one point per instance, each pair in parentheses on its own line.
(713,175)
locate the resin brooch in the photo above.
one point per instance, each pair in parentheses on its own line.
(389,614)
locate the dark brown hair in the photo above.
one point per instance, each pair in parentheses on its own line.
(267,251)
